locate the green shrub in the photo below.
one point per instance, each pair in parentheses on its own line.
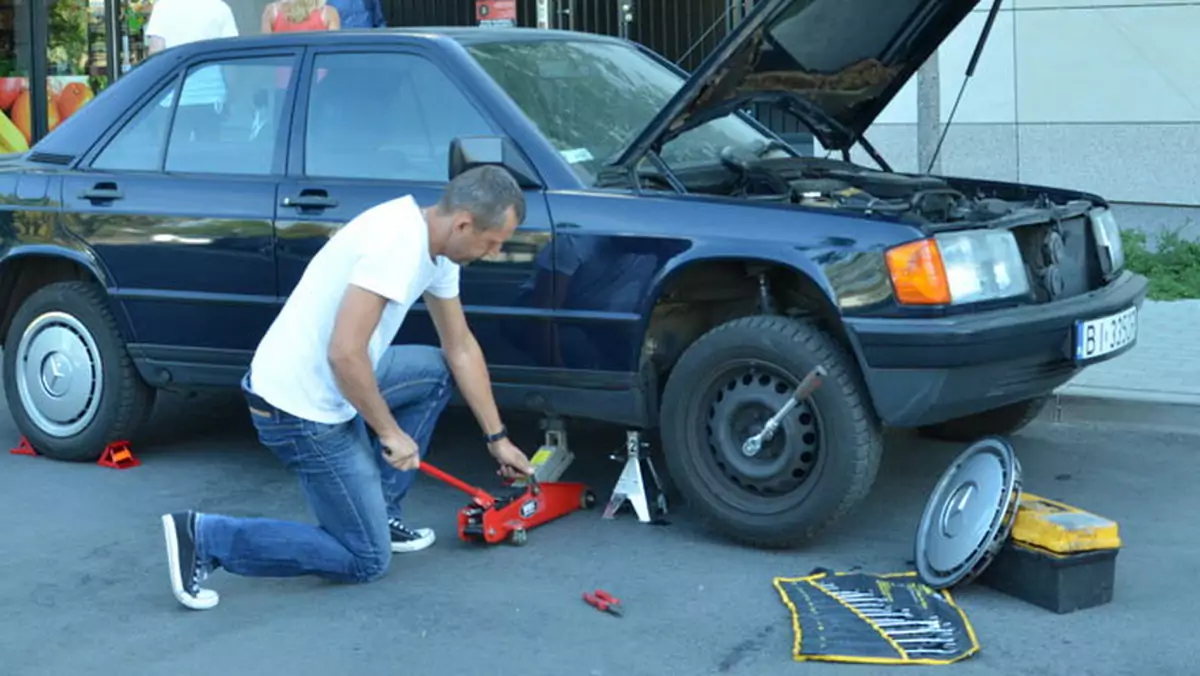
(1173,266)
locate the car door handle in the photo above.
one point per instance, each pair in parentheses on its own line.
(310,201)
(102,192)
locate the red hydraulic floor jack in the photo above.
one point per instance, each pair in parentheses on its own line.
(493,519)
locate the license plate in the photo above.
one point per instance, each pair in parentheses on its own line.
(1105,335)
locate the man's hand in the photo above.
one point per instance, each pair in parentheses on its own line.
(400,451)
(513,463)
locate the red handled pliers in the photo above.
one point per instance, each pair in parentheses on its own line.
(604,602)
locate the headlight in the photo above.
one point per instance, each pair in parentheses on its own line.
(957,268)
(1108,241)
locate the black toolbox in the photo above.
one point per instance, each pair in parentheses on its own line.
(1058,557)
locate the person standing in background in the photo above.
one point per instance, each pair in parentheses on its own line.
(178,22)
(300,15)
(360,13)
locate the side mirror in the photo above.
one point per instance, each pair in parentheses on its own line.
(467,152)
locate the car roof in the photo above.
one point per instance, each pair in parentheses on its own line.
(464,35)
(111,104)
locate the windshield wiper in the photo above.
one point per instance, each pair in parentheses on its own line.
(613,176)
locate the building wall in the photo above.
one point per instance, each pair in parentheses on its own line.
(1101,95)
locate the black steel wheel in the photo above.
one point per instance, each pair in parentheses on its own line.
(819,465)
(739,401)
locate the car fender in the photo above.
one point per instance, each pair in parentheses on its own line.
(77,254)
(749,252)
(802,262)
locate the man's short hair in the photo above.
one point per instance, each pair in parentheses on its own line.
(486,192)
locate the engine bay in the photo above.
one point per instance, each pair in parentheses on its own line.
(921,200)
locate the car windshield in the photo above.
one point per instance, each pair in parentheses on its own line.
(589,98)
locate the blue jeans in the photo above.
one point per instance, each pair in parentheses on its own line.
(350,487)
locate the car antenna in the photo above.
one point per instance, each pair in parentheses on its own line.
(983,36)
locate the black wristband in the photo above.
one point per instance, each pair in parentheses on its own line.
(493,438)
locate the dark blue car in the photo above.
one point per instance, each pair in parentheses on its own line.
(680,270)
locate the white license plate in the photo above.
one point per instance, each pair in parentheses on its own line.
(1098,337)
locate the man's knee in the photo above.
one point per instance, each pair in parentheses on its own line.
(372,566)
(417,362)
(372,562)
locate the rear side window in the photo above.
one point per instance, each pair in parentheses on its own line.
(138,146)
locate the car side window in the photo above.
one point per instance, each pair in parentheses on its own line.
(138,145)
(386,116)
(228,117)
(227,122)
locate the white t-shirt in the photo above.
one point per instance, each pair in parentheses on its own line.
(179,22)
(386,250)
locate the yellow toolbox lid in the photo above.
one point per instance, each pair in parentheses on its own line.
(1062,529)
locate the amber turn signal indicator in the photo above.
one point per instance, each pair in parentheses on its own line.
(918,275)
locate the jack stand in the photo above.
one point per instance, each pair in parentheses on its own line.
(551,461)
(631,485)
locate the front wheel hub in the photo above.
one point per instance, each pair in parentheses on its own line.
(739,408)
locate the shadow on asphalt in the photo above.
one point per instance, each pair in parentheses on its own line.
(216,424)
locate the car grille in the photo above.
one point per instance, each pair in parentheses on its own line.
(1060,258)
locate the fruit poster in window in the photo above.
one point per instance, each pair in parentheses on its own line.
(65,93)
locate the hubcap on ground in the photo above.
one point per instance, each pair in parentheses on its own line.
(58,375)
(740,403)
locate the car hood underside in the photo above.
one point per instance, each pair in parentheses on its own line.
(836,63)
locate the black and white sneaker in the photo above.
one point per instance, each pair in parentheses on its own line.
(405,539)
(179,529)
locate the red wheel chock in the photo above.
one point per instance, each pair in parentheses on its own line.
(24,448)
(118,455)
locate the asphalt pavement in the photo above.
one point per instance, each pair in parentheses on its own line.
(84,588)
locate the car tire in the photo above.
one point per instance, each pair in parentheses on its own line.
(1001,421)
(822,461)
(99,399)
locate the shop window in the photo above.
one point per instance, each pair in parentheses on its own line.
(15,65)
(76,57)
(384,116)
(227,120)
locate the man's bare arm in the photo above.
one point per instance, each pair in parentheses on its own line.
(357,317)
(465,358)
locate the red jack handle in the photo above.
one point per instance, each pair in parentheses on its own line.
(481,496)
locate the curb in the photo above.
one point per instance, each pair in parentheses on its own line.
(1153,410)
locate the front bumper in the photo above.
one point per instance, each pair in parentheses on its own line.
(925,371)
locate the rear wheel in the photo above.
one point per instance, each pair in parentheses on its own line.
(70,385)
(998,421)
(822,460)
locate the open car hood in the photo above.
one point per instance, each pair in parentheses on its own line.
(835,63)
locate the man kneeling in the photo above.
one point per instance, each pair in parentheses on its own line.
(350,413)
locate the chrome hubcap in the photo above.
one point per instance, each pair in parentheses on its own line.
(59,376)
